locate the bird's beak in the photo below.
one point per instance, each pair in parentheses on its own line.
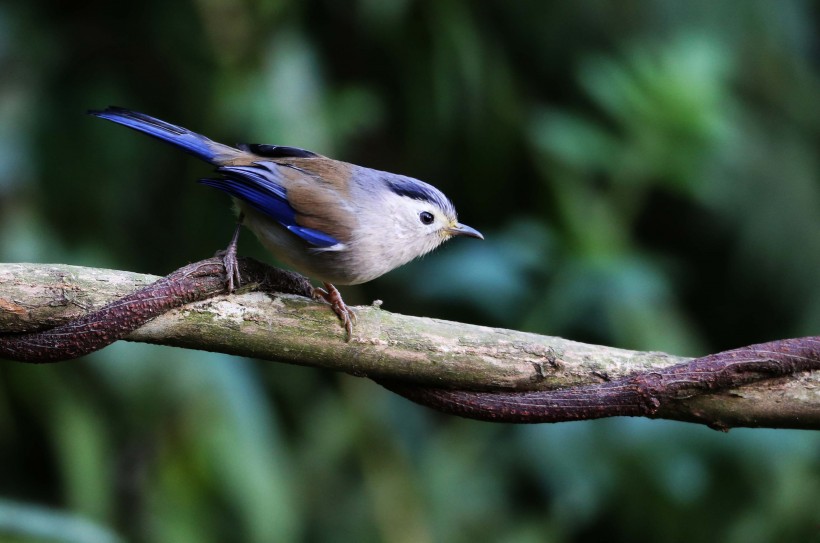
(459,229)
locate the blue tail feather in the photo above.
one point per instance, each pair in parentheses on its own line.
(195,144)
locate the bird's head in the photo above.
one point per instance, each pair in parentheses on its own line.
(424,217)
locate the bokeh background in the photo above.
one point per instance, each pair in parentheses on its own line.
(647,176)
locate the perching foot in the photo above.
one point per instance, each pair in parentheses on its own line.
(233,279)
(331,295)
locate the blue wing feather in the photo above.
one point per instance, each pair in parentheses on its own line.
(257,186)
(314,237)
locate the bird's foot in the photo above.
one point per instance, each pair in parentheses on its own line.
(233,279)
(331,295)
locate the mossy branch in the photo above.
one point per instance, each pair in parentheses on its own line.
(412,354)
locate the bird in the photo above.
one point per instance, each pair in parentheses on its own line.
(333,221)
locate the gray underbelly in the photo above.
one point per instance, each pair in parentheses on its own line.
(335,267)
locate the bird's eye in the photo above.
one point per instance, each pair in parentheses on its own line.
(426,217)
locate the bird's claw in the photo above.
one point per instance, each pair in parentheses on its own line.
(331,295)
(233,279)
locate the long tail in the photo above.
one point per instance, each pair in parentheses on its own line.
(193,143)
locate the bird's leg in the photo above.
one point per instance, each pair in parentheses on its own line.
(229,259)
(331,295)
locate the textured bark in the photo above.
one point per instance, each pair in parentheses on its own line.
(410,354)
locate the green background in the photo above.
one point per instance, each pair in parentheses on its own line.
(646,174)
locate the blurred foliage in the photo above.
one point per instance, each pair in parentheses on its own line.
(646,174)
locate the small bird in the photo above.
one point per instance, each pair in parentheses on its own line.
(330,220)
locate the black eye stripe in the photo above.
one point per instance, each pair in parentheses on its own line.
(426,217)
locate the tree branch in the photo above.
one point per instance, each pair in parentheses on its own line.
(480,372)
